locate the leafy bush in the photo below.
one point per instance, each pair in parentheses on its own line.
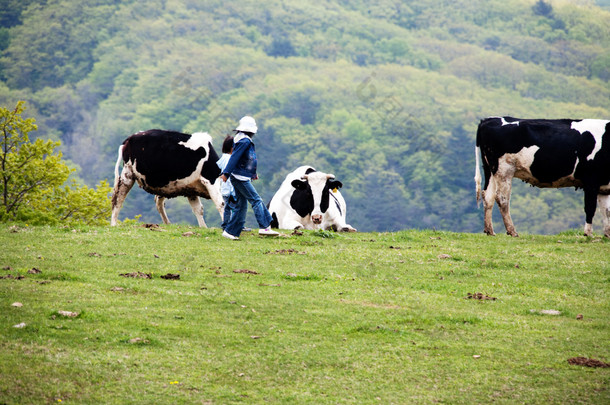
(32,178)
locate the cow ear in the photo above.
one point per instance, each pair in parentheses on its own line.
(334,184)
(299,184)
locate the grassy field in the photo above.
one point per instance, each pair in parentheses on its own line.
(315,318)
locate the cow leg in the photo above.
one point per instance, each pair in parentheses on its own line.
(197,210)
(489,197)
(291,224)
(121,189)
(504,187)
(215,196)
(160,203)
(339,226)
(346,228)
(604,204)
(590,207)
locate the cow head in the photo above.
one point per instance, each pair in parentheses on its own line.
(313,188)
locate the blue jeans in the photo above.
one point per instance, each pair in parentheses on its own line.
(228,212)
(244,193)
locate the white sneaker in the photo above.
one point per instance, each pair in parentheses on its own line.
(229,236)
(268,231)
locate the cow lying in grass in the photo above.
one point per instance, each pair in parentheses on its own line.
(309,199)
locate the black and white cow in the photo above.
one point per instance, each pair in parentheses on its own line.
(309,199)
(543,153)
(168,164)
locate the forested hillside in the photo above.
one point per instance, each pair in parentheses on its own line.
(384,94)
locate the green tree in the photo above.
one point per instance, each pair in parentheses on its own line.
(32,178)
(26,167)
(75,204)
(281,47)
(543,8)
(601,67)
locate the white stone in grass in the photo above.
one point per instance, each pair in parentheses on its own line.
(68,314)
(17,304)
(550,312)
(19,325)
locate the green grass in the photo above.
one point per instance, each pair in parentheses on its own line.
(352,318)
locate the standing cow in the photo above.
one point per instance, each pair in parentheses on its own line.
(544,153)
(168,164)
(309,199)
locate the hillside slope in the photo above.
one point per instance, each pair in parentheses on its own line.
(384,94)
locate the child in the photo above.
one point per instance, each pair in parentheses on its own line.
(226,188)
(241,169)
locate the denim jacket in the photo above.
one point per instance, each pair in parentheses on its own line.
(243,159)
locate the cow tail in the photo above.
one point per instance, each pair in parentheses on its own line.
(477,169)
(117,175)
(477,174)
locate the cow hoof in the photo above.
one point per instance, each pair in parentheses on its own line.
(348,229)
(588,230)
(513,234)
(488,233)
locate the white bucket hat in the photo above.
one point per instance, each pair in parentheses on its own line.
(247,124)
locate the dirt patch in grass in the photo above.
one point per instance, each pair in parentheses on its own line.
(306,277)
(246,271)
(137,274)
(170,276)
(11,277)
(480,296)
(153,227)
(285,252)
(584,361)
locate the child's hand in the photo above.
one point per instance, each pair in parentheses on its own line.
(224,178)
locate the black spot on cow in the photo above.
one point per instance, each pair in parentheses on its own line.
(302,198)
(149,148)
(330,185)
(274,222)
